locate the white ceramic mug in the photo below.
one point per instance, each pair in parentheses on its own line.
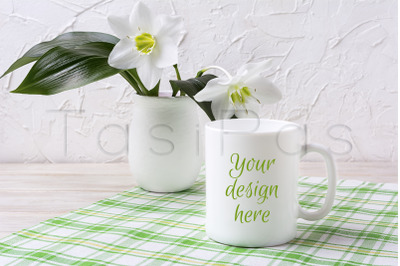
(252,167)
(163,143)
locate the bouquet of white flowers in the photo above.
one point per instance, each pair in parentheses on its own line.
(144,46)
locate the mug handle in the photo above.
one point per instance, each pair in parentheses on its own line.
(330,196)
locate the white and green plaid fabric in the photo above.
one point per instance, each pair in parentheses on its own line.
(142,228)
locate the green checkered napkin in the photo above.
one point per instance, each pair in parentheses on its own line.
(142,228)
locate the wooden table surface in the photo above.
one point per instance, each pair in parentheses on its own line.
(31,193)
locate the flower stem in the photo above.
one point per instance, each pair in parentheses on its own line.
(178,76)
(133,73)
(131,81)
(200,73)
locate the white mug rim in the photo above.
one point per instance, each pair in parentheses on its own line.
(286,126)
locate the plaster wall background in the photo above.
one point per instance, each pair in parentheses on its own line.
(335,62)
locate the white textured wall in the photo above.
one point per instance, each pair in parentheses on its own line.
(335,61)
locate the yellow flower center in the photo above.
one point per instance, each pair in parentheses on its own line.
(239,95)
(145,43)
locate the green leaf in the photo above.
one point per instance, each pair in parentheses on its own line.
(128,77)
(68,40)
(135,76)
(154,91)
(175,88)
(191,87)
(61,69)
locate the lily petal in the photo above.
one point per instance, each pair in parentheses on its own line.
(148,73)
(172,27)
(142,18)
(212,90)
(250,70)
(222,108)
(264,90)
(165,53)
(120,26)
(124,55)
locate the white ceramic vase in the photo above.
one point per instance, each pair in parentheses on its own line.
(164,143)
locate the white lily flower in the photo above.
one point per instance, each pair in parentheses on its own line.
(148,43)
(242,94)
